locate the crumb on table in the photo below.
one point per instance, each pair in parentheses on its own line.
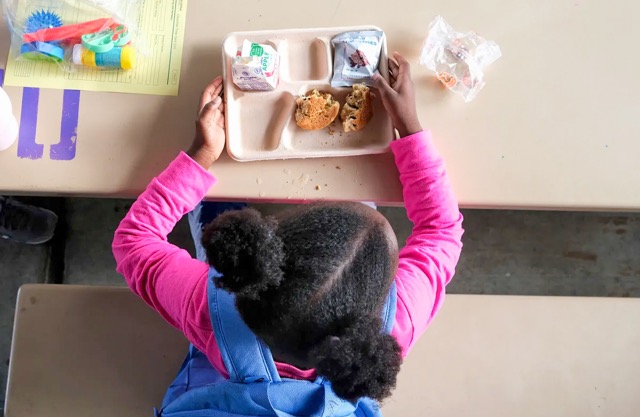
(318,187)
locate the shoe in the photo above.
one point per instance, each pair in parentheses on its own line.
(24,223)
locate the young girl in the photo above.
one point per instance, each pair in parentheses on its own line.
(323,287)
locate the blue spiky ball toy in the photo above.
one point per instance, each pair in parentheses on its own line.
(42,51)
(42,19)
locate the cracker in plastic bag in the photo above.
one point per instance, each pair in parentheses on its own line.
(356,58)
(458,59)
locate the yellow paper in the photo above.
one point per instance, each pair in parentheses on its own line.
(161,35)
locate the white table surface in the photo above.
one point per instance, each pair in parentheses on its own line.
(555,127)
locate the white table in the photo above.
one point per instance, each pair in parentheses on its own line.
(555,127)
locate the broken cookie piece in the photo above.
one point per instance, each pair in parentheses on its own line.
(358,109)
(316,110)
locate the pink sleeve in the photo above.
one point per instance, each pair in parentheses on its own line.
(427,262)
(166,277)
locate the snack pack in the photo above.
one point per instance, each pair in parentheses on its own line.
(458,59)
(356,57)
(256,67)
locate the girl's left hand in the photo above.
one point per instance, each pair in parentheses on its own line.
(208,143)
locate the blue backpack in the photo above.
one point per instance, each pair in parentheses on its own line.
(254,387)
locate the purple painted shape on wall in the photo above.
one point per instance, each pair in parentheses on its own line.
(27,146)
(65,150)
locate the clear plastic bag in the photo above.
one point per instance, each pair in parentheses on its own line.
(458,59)
(99,34)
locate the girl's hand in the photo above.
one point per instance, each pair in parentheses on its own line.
(208,143)
(399,98)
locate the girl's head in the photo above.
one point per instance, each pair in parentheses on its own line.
(312,282)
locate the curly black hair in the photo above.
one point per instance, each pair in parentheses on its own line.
(312,285)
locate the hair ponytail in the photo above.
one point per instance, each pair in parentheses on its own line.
(245,248)
(362,362)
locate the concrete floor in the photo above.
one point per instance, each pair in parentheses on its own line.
(506,252)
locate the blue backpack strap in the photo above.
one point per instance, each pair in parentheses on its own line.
(389,309)
(246,357)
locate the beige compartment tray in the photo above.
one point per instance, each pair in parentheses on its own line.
(261,125)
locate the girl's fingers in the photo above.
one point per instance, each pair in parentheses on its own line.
(209,109)
(393,75)
(217,92)
(392,79)
(383,87)
(403,64)
(393,67)
(212,90)
(219,118)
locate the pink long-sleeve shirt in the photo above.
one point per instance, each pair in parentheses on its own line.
(173,283)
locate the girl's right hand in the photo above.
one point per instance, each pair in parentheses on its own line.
(209,140)
(399,98)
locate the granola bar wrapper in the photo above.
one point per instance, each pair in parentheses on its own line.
(356,59)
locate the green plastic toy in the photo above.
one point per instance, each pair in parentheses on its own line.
(106,40)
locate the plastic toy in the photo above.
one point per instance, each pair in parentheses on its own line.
(42,51)
(105,40)
(68,33)
(45,32)
(42,19)
(96,43)
(118,57)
